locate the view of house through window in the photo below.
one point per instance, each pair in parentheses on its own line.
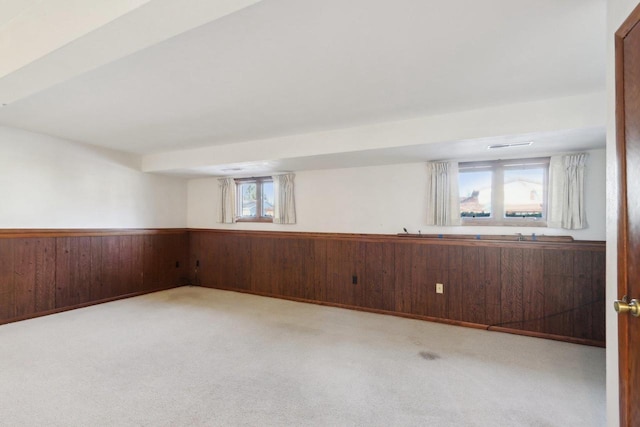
(255,197)
(475,192)
(504,192)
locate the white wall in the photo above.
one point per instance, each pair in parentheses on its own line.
(381,199)
(617,12)
(47,182)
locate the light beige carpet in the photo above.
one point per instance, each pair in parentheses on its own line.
(193,356)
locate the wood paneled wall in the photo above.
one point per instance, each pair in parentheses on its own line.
(45,271)
(553,290)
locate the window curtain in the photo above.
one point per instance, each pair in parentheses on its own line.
(284,208)
(566,192)
(227,205)
(443,200)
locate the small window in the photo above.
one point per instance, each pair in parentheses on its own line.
(255,198)
(504,192)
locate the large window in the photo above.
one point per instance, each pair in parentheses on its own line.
(504,192)
(255,199)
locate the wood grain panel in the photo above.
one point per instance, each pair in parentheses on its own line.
(24,272)
(98,287)
(169,261)
(454,286)
(266,271)
(290,261)
(583,297)
(137,263)
(7,288)
(206,250)
(345,261)
(492,284)
(403,272)
(558,305)
(533,290)
(225,261)
(303,267)
(598,288)
(419,293)
(46,233)
(73,271)
(203,249)
(52,271)
(473,286)
(558,263)
(237,259)
(110,261)
(45,280)
(378,287)
(151,247)
(394,275)
(559,291)
(425,266)
(437,271)
(209,252)
(125,268)
(315,283)
(511,284)
(34,275)
(177,260)
(373,280)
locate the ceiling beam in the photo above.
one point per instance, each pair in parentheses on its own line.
(558,114)
(46,43)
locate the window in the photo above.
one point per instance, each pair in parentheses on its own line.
(504,192)
(255,199)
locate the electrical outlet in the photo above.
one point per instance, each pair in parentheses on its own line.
(439,288)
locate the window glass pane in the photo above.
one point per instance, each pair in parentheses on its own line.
(248,201)
(523,193)
(267,199)
(475,193)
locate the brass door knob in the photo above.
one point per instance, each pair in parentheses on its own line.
(623,306)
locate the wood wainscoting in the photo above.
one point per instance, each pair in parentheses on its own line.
(546,289)
(47,271)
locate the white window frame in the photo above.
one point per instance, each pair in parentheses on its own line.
(497,167)
(259,216)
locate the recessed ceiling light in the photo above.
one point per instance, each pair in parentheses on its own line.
(232,170)
(515,144)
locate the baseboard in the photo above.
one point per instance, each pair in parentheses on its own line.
(503,329)
(86,304)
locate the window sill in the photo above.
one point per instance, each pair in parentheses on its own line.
(268,220)
(494,223)
(491,237)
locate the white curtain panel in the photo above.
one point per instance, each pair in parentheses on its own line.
(227,205)
(566,192)
(284,209)
(443,200)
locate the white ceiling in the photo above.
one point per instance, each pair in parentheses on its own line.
(12,9)
(285,67)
